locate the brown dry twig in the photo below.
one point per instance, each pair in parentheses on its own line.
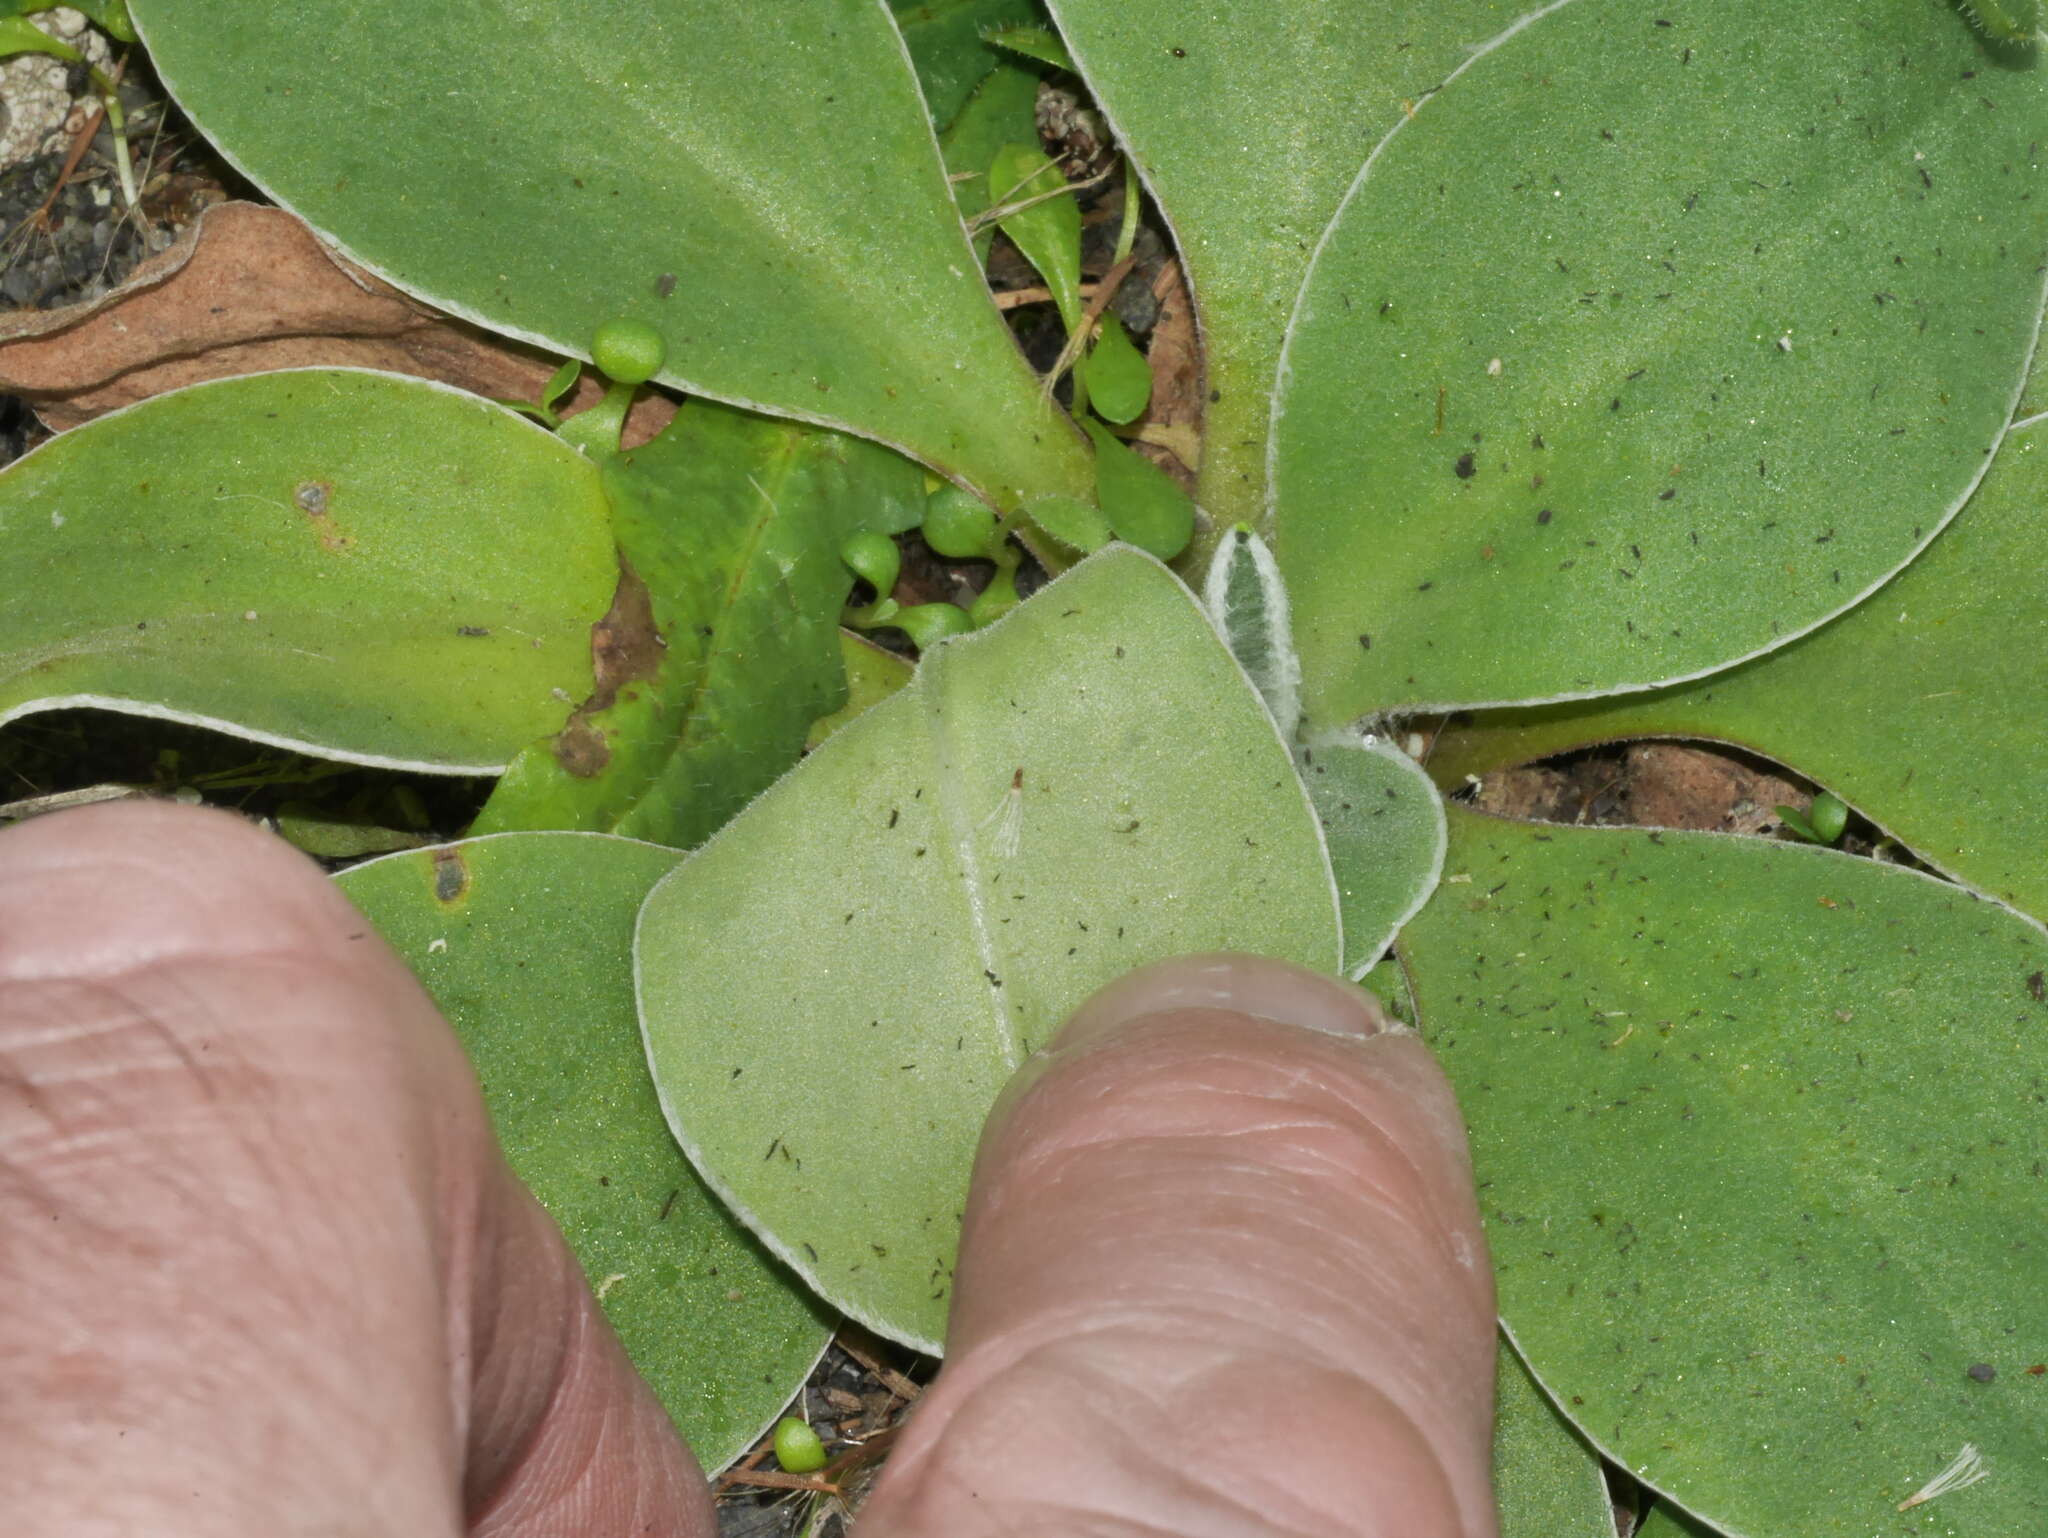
(1104,292)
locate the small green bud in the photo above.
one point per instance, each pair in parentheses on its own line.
(875,559)
(797,1447)
(927,624)
(629,351)
(959,525)
(1829,816)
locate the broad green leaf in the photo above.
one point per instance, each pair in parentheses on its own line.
(834,988)
(719,656)
(758,182)
(1247,123)
(359,565)
(873,673)
(1384,825)
(947,45)
(1925,707)
(1757,1129)
(1144,505)
(1766,305)
(1546,1483)
(1001,111)
(524,941)
(1119,378)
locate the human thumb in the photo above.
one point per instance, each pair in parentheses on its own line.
(1221,1274)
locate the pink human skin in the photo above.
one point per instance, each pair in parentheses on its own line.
(266,1273)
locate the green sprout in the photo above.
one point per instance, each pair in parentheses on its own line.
(628,353)
(1821,823)
(875,559)
(960,526)
(542,407)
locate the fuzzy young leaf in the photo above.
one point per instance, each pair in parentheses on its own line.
(924,863)
(1246,598)
(1384,825)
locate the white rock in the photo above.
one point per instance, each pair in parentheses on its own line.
(34,88)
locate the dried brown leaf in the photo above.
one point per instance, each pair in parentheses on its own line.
(249,289)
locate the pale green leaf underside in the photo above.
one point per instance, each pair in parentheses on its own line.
(1925,708)
(1546,1483)
(525,940)
(1653,339)
(1384,825)
(758,182)
(1757,1132)
(1247,123)
(365,566)
(828,1037)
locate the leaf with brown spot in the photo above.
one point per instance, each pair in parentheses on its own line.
(722,645)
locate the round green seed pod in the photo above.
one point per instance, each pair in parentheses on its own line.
(629,351)
(959,525)
(797,1447)
(1829,816)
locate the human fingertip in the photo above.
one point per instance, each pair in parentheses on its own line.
(1259,986)
(100,890)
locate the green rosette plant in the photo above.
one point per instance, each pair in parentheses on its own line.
(1574,371)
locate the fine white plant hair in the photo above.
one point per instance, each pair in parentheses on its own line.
(1256,626)
(1005,821)
(1966,1468)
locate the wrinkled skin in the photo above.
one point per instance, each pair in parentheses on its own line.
(266,1273)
